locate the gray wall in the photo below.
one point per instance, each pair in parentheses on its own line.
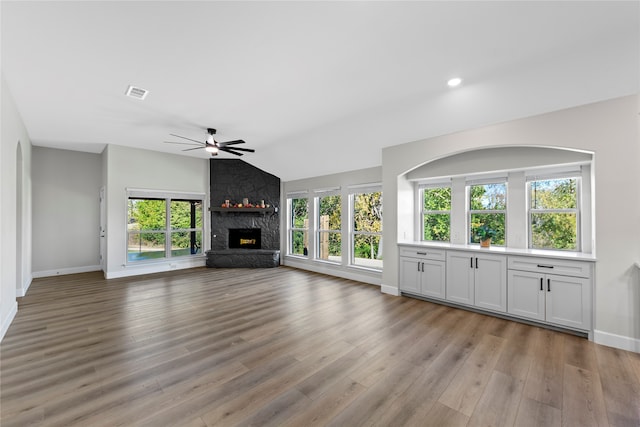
(132,168)
(66,211)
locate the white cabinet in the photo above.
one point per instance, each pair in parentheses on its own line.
(460,277)
(550,290)
(422,272)
(560,299)
(477,279)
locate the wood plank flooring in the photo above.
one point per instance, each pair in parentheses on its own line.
(286,347)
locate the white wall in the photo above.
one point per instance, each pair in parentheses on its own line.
(15,234)
(130,168)
(66,186)
(343,181)
(610,130)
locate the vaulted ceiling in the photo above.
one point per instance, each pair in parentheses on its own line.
(314,87)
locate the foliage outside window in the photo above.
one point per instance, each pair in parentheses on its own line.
(163,228)
(554,214)
(329,233)
(488,206)
(436,213)
(298,226)
(367,229)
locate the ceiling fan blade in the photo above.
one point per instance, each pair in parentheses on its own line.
(194,148)
(180,143)
(184,137)
(229,150)
(248,150)
(234,142)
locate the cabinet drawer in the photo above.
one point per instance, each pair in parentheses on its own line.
(550,265)
(426,253)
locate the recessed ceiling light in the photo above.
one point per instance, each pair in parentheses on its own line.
(454,82)
(136,92)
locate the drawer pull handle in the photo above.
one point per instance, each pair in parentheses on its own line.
(544,266)
(421,253)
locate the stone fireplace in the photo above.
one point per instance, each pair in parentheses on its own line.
(247,236)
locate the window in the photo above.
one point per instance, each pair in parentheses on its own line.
(298,226)
(436,213)
(488,206)
(554,214)
(186,227)
(329,233)
(366,238)
(163,227)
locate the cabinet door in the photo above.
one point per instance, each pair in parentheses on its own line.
(526,294)
(410,274)
(460,277)
(433,279)
(568,301)
(491,282)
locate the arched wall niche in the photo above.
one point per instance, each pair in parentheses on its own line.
(513,162)
(497,159)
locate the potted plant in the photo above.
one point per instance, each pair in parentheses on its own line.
(484,234)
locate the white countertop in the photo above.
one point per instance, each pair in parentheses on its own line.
(578,256)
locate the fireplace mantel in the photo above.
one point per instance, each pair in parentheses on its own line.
(262,211)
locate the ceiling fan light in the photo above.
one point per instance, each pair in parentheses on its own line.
(211,149)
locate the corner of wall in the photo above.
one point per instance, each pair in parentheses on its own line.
(391,290)
(616,341)
(6,322)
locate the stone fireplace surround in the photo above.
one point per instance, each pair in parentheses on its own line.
(234,180)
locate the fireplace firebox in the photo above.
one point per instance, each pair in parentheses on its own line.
(244,238)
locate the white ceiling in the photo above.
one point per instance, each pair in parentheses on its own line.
(314,87)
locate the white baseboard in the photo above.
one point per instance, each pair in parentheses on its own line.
(351,273)
(20,292)
(7,320)
(391,290)
(62,271)
(617,341)
(137,270)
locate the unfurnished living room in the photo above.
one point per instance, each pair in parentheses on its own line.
(329,213)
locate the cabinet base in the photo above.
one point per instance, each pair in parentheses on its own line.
(576,332)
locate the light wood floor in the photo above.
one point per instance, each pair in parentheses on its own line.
(285,347)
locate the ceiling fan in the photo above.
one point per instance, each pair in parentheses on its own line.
(212,146)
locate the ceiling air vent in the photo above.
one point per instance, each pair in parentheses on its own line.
(136,92)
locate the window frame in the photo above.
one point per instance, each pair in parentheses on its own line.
(577,210)
(291,229)
(490,181)
(353,192)
(318,231)
(423,212)
(167,230)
